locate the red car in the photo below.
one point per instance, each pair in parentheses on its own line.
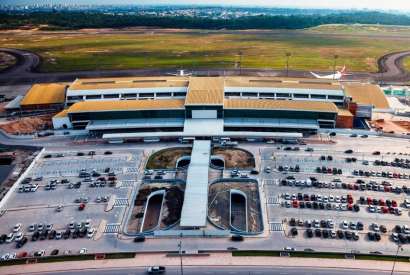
(306,198)
(112,178)
(395,175)
(350,186)
(387,188)
(392,210)
(394,203)
(329,170)
(295,203)
(349,207)
(385,209)
(81,207)
(376,153)
(369,201)
(356,187)
(350,198)
(381,202)
(101,178)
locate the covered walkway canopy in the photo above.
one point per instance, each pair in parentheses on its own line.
(194,210)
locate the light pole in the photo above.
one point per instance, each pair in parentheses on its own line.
(145,59)
(287,65)
(193,61)
(395,259)
(240,62)
(381,62)
(180,255)
(96,62)
(334,71)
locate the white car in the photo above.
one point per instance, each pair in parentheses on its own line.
(345,224)
(376,226)
(10,238)
(372,208)
(407,203)
(293,196)
(331,198)
(287,196)
(343,207)
(87,199)
(91,233)
(18,237)
(267,170)
(270,142)
(398,211)
(12,256)
(83,250)
(325,199)
(2,212)
(60,208)
(33,187)
(406,176)
(318,197)
(71,225)
(87,223)
(330,223)
(5,256)
(337,199)
(406,229)
(379,174)
(373,173)
(316,223)
(67,252)
(40,226)
(337,180)
(39,253)
(378,209)
(288,248)
(32,227)
(49,226)
(333,234)
(288,204)
(336,207)
(98,199)
(59,234)
(79,225)
(17,227)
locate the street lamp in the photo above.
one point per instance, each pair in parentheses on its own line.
(96,62)
(335,57)
(381,62)
(145,59)
(395,259)
(240,62)
(180,254)
(287,65)
(193,61)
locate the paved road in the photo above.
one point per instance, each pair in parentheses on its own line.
(21,74)
(228,270)
(391,65)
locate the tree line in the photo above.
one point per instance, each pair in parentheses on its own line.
(79,20)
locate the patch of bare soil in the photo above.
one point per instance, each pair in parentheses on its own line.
(235,158)
(25,125)
(6,60)
(166,159)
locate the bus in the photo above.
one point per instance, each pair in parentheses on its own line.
(187,140)
(116,140)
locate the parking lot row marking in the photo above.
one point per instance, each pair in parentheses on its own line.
(131,170)
(270,182)
(121,202)
(112,228)
(127,184)
(272,200)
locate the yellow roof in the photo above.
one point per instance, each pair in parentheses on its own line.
(325,106)
(63,113)
(115,105)
(275,82)
(345,112)
(129,82)
(205,90)
(367,94)
(45,94)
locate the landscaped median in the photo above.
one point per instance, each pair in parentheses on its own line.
(368,257)
(70,258)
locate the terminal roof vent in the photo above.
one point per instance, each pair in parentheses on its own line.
(151,80)
(97,82)
(315,82)
(265,80)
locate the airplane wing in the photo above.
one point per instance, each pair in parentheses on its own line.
(348,74)
(316,75)
(173,74)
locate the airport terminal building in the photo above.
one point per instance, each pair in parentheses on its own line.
(215,106)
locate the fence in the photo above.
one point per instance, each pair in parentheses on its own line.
(24,175)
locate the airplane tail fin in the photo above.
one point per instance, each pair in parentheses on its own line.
(344,70)
(316,75)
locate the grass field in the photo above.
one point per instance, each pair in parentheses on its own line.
(362,29)
(124,51)
(406,63)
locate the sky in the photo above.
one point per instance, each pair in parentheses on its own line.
(345,4)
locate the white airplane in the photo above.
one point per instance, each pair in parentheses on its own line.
(337,75)
(181,73)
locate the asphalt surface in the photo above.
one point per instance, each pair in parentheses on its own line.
(228,270)
(27,71)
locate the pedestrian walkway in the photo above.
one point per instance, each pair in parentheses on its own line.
(131,170)
(112,228)
(270,182)
(127,183)
(272,200)
(121,202)
(276,226)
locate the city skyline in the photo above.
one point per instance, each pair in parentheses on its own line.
(319,4)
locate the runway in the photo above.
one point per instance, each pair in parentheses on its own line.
(28,71)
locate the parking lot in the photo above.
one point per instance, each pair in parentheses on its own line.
(288,196)
(41,206)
